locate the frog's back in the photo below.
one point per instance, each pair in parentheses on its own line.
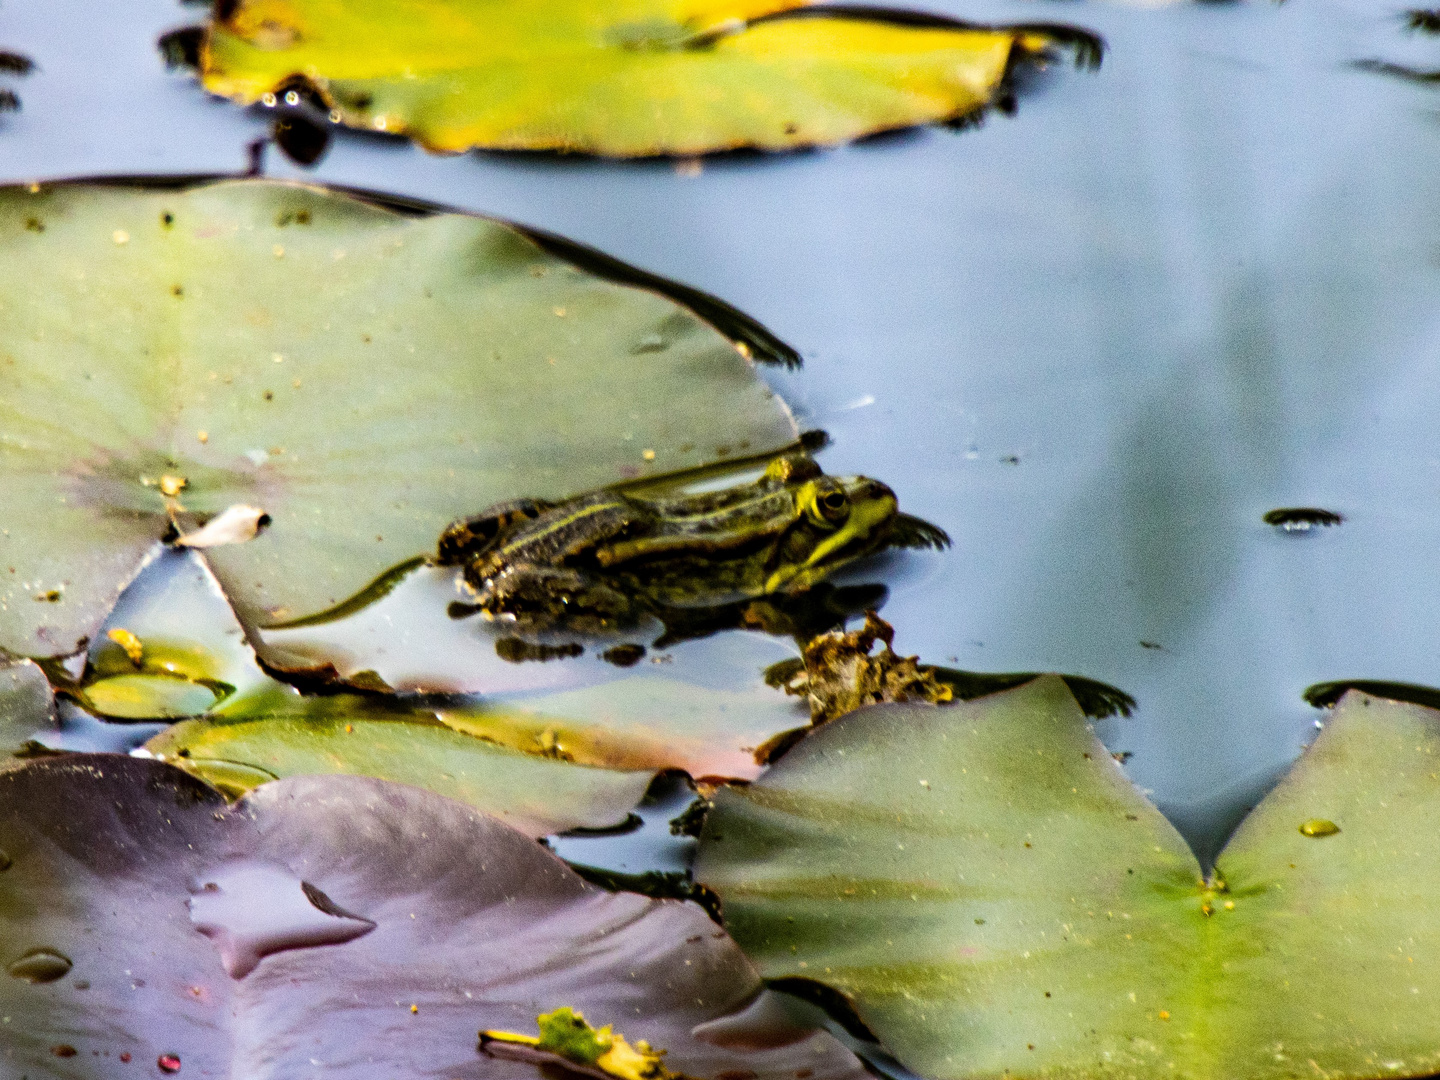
(572,528)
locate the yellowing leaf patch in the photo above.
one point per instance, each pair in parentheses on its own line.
(637,78)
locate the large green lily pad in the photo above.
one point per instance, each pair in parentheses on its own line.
(286,735)
(640,78)
(339,924)
(996,899)
(363,375)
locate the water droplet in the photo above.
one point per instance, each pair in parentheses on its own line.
(1318,827)
(168,1063)
(251,910)
(41,966)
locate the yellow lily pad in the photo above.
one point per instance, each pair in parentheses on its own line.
(639,78)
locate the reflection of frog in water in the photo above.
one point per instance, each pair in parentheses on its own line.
(608,559)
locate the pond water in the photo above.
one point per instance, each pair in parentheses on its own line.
(1096,341)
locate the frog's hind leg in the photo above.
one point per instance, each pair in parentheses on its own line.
(554,596)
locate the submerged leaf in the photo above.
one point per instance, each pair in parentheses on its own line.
(335,924)
(172,647)
(363,374)
(285,735)
(647,77)
(995,898)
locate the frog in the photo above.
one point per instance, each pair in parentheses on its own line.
(609,558)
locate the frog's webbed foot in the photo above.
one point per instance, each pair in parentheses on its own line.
(551,596)
(913,532)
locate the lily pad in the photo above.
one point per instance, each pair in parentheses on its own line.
(26,707)
(994,898)
(362,928)
(361,374)
(645,78)
(643,721)
(287,735)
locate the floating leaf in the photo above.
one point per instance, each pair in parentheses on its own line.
(286,735)
(644,721)
(567,1040)
(995,898)
(365,375)
(647,78)
(342,924)
(26,707)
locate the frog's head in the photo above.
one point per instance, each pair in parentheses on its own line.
(841,519)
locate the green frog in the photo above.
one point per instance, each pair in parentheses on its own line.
(608,559)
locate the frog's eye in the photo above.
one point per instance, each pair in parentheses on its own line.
(825,505)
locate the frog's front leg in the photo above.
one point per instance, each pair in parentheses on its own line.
(555,596)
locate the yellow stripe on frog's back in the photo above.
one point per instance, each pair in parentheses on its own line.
(574,517)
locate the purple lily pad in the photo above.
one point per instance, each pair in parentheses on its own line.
(340,924)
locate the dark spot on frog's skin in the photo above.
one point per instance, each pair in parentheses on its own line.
(1301,519)
(1151,645)
(516,651)
(8,101)
(167,219)
(34,224)
(626,655)
(269,395)
(177,291)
